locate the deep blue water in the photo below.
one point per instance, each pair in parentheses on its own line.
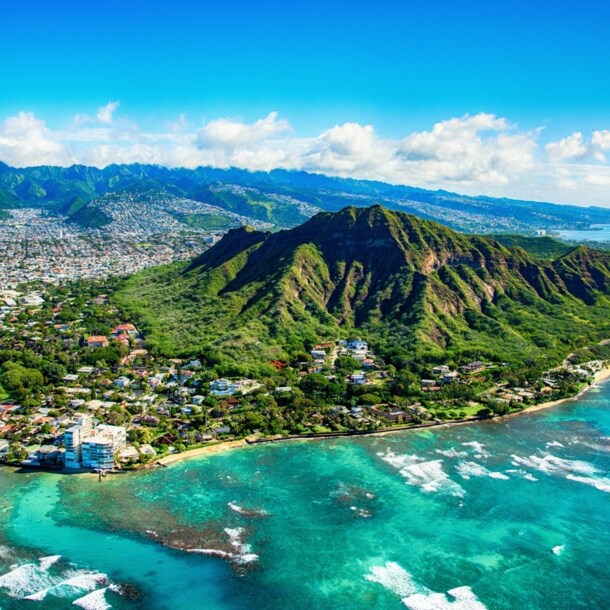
(512,514)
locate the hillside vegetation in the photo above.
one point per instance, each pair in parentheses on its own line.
(414,288)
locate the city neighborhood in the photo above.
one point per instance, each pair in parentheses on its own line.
(76,399)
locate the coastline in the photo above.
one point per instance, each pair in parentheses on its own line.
(600,377)
(191,453)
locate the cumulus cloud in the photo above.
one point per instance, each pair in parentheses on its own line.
(104,114)
(601,139)
(26,140)
(229,133)
(347,150)
(473,154)
(480,148)
(572,147)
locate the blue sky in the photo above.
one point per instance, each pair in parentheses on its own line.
(396,67)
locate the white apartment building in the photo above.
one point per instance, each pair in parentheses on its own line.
(100,446)
(73,440)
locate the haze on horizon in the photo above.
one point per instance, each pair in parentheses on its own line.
(503,99)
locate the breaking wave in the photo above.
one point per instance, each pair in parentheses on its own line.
(573,470)
(417,597)
(243,552)
(452,453)
(33,581)
(28,578)
(602,484)
(428,476)
(93,601)
(478,448)
(472,469)
(551,464)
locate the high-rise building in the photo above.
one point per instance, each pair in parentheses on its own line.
(100,446)
(73,440)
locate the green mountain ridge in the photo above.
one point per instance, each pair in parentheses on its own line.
(414,288)
(281,197)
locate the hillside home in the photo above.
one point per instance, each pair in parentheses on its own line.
(97,341)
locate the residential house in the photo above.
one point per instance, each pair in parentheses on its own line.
(97,341)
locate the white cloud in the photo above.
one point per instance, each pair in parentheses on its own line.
(472,154)
(231,134)
(597,180)
(26,140)
(572,147)
(601,139)
(470,149)
(104,114)
(346,150)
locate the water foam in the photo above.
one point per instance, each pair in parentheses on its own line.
(247,512)
(558,550)
(460,598)
(478,448)
(602,484)
(573,470)
(428,476)
(551,464)
(93,601)
(431,478)
(399,461)
(394,578)
(361,512)
(74,581)
(472,469)
(243,552)
(28,578)
(452,453)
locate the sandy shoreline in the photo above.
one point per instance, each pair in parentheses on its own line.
(191,453)
(600,377)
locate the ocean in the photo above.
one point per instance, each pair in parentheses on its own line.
(600,234)
(512,514)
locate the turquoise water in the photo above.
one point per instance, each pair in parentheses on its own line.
(514,514)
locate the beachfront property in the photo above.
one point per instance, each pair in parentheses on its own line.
(73,440)
(92,448)
(99,447)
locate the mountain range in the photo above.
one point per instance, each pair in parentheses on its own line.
(414,288)
(280,198)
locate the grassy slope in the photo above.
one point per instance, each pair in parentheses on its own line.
(406,284)
(539,247)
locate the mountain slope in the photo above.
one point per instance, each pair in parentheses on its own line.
(413,287)
(282,198)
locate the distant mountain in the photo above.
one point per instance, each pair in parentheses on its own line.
(413,287)
(282,198)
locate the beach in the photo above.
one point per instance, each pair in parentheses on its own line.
(191,453)
(600,377)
